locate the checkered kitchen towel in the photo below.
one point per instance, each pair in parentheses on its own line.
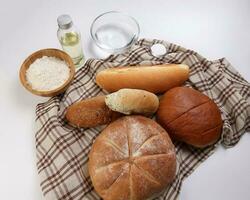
(62,151)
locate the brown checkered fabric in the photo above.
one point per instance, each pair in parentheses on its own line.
(62,151)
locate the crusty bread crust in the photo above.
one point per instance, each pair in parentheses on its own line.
(190,116)
(132,101)
(155,79)
(132,159)
(90,113)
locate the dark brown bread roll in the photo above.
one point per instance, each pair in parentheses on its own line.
(190,116)
(90,113)
(133,158)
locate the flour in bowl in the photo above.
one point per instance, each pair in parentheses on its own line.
(47,73)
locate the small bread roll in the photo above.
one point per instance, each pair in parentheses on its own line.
(90,113)
(155,79)
(132,101)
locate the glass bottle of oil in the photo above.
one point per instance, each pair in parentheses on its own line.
(70,39)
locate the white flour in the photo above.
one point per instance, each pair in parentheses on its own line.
(47,73)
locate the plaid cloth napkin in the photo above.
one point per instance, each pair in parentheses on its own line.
(62,151)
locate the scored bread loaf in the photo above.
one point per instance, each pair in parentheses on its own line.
(90,113)
(156,79)
(190,116)
(133,158)
(132,101)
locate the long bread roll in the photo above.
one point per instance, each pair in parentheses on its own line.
(132,101)
(90,113)
(156,79)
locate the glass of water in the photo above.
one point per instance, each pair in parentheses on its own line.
(114,32)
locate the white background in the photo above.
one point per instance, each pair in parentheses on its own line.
(214,28)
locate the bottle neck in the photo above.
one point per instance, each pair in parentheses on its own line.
(72,28)
(65,26)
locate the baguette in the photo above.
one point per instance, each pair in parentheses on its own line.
(132,101)
(90,113)
(155,79)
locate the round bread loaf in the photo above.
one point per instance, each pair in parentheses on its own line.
(190,116)
(133,158)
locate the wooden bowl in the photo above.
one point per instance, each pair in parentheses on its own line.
(50,53)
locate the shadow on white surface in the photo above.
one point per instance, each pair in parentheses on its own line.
(226,168)
(22,97)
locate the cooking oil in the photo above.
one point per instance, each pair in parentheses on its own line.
(70,39)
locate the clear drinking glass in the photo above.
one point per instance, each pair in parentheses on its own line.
(114,31)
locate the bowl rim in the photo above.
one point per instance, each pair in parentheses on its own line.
(133,40)
(46,93)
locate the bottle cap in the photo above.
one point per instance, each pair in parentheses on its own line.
(64,21)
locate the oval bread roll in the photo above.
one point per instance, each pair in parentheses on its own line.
(133,158)
(90,113)
(132,101)
(156,79)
